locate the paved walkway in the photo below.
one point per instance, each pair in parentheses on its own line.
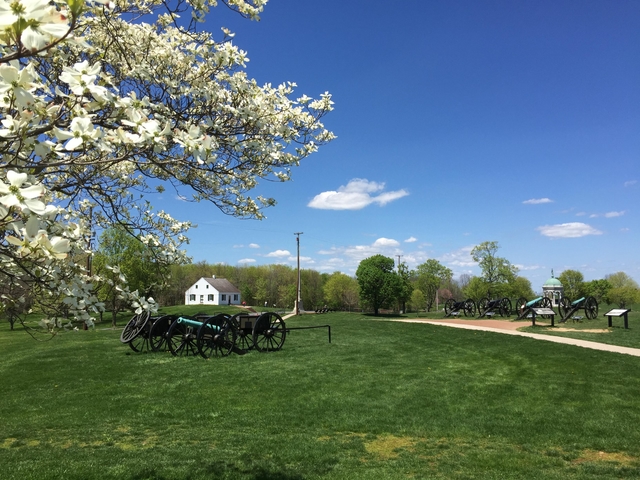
(509,328)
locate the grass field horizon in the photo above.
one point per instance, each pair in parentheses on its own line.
(383,400)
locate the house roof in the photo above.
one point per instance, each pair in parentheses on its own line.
(222,285)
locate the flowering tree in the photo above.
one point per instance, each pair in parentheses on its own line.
(103,102)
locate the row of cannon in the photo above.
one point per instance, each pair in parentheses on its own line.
(205,335)
(523,307)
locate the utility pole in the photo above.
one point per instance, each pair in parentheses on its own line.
(399,256)
(299,298)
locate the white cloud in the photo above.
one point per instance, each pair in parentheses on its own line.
(568,230)
(614,214)
(357,194)
(528,267)
(247,260)
(386,242)
(411,240)
(279,254)
(536,201)
(630,182)
(254,245)
(580,214)
(459,258)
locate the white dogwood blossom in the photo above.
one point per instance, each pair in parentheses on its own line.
(102,102)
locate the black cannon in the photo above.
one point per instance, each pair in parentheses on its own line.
(489,308)
(453,308)
(568,309)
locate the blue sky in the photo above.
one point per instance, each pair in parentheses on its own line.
(458,122)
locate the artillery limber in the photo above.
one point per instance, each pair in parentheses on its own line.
(454,308)
(569,309)
(526,309)
(489,308)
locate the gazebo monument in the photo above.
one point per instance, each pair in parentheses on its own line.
(553,290)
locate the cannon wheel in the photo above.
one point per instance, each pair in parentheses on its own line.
(182,340)
(134,327)
(545,303)
(216,336)
(269,332)
(140,342)
(469,308)
(505,307)
(591,308)
(565,306)
(158,333)
(244,339)
(448,306)
(482,305)
(521,304)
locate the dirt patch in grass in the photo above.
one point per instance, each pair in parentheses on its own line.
(586,330)
(593,456)
(389,446)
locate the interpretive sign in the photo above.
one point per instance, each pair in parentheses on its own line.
(618,312)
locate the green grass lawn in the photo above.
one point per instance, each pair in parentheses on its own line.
(384,400)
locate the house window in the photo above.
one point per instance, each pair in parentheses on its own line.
(196,286)
(207,286)
(235,298)
(223,298)
(209,298)
(192,297)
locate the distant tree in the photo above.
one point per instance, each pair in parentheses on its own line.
(379,284)
(418,300)
(621,279)
(597,289)
(406,286)
(624,289)
(573,284)
(430,276)
(521,287)
(623,297)
(122,258)
(341,291)
(497,272)
(476,289)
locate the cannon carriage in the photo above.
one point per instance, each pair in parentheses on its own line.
(490,307)
(569,309)
(525,308)
(454,308)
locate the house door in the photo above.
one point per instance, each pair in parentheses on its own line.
(201,298)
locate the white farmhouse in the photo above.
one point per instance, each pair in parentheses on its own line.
(212,291)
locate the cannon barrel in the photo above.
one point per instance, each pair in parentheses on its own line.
(577,302)
(533,302)
(195,323)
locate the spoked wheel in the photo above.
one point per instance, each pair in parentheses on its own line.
(269,332)
(482,305)
(521,304)
(565,305)
(448,306)
(158,333)
(182,340)
(545,303)
(216,336)
(244,340)
(469,308)
(140,342)
(591,308)
(134,327)
(505,307)
(244,334)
